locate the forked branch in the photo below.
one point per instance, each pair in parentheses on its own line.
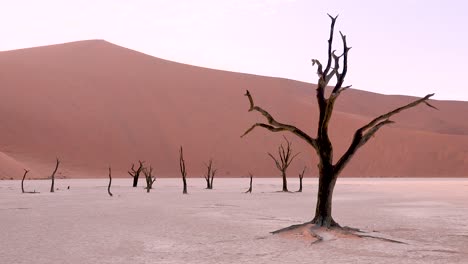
(363,134)
(276,126)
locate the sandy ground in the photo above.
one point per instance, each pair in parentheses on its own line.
(224,225)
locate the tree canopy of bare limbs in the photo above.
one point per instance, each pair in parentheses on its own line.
(135,173)
(182,169)
(329,169)
(210,173)
(53,175)
(285,158)
(150,179)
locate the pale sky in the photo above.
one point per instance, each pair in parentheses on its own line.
(411,47)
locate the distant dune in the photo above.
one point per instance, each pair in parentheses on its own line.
(95,104)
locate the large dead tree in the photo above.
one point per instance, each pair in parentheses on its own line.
(301,175)
(110,182)
(53,175)
(22,181)
(150,179)
(136,173)
(328,168)
(182,169)
(285,159)
(210,173)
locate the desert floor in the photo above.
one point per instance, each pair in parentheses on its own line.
(225,225)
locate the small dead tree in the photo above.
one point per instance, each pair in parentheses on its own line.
(250,188)
(182,169)
(22,181)
(136,173)
(110,182)
(301,175)
(210,173)
(285,159)
(150,179)
(328,168)
(53,175)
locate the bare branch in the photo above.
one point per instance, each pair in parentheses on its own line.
(276,126)
(330,44)
(341,76)
(363,134)
(319,67)
(396,111)
(278,165)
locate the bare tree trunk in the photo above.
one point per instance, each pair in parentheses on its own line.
(53,175)
(285,182)
(323,209)
(136,173)
(22,181)
(300,184)
(210,173)
(183,172)
(182,169)
(301,175)
(211,180)
(149,178)
(250,188)
(110,182)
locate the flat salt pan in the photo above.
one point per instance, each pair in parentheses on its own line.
(224,225)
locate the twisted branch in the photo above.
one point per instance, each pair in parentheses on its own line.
(274,125)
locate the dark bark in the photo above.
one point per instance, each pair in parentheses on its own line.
(182,169)
(136,173)
(110,182)
(150,179)
(285,159)
(210,173)
(53,176)
(22,181)
(328,171)
(250,188)
(301,175)
(323,209)
(212,177)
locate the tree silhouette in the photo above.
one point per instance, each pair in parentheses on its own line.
(328,169)
(285,159)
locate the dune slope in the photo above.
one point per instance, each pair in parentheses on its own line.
(95,104)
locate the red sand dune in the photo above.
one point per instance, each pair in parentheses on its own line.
(94,104)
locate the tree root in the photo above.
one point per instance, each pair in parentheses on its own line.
(316,233)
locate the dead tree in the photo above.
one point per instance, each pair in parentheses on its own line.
(53,175)
(328,168)
(182,169)
(285,159)
(150,179)
(250,188)
(22,181)
(110,182)
(210,173)
(136,173)
(301,175)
